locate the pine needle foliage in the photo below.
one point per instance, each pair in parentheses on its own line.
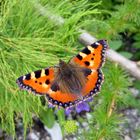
(120,16)
(31,39)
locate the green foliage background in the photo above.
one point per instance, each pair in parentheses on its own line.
(31,39)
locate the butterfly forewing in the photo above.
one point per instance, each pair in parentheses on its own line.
(38,81)
(92,56)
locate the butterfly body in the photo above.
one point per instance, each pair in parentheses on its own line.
(70,78)
(69,83)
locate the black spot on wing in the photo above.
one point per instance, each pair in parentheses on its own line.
(28,76)
(95,45)
(54,87)
(87,71)
(86,51)
(37,74)
(47,71)
(87,63)
(79,57)
(47,81)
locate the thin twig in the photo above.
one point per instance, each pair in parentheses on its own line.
(111,108)
(109,113)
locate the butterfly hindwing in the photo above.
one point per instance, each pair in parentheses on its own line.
(94,80)
(93,84)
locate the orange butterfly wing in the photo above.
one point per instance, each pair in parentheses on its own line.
(38,81)
(92,57)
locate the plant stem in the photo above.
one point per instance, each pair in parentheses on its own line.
(109,113)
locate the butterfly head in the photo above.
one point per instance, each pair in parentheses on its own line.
(62,63)
(64,68)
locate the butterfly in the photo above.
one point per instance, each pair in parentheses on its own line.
(67,84)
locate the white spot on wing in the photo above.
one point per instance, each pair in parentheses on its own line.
(91,63)
(45,85)
(42,73)
(90,48)
(97,43)
(50,91)
(32,75)
(93,71)
(82,54)
(24,77)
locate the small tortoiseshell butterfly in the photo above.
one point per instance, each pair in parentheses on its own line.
(69,83)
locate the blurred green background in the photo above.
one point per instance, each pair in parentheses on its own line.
(35,34)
